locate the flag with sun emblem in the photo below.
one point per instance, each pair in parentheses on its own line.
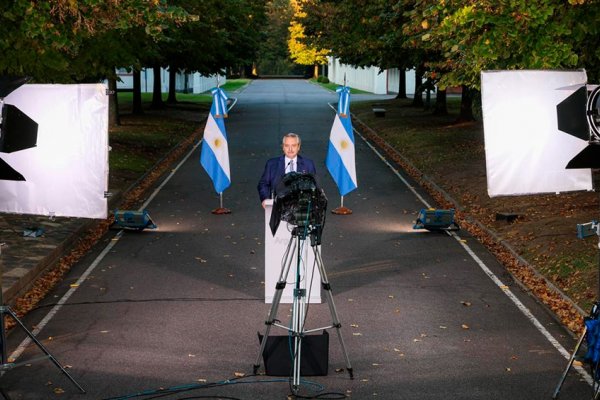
(340,155)
(214,156)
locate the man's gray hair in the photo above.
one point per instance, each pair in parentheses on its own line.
(292,135)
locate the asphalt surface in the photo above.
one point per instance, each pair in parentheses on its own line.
(181,306)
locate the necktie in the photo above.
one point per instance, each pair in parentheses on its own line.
(292,169)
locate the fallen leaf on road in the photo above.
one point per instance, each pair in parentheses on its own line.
(465,326)
(466,303)
(58,390)
(239,374)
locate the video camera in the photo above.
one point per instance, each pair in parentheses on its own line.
(300,202)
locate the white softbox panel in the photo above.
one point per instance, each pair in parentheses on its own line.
(66,173)
(525,152)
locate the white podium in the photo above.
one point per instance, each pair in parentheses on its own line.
(275,247)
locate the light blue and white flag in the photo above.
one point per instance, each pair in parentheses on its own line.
(340,155)
(214,156)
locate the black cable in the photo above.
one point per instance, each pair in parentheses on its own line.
(327,395)
(182,299)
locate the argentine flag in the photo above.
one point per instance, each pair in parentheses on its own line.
(214,156)
(340,155)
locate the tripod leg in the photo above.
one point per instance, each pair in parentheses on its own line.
(334,316)
(5,395)
(569,364)
(276,300)
(298,314)
(41,347)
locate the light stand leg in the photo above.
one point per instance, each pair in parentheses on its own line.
(7,310)
(6,365)
(279,287)
(569,365)
(334,315)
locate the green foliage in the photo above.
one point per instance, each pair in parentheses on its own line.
(454,40)
(471,36)
(84,40)
(76,40)
(273,56)
(301,52)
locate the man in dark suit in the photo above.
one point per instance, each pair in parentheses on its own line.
(277,167)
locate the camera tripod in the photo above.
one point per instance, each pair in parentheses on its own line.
(6,364)
(297,331)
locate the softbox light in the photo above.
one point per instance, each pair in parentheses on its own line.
(526,153)
(66,172)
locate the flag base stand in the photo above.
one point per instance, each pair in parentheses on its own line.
(341,211)
(221,210)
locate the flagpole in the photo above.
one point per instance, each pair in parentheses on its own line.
(341,210)
(221,209)
(343,173)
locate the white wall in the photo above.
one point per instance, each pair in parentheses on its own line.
(370,79)
(196,83)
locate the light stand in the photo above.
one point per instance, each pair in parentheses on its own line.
(583,231)
(297,330)
(6,365)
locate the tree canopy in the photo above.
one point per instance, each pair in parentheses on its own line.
(456,39)
(301,52)
(85,40)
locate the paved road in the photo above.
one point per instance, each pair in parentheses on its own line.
(182,305)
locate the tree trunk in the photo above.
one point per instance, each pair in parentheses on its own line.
(440,107)
(172,99)
(466,105)
(316,71)
(157,101)
(136,106)
(418,99)
(402,85)
(113,103)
